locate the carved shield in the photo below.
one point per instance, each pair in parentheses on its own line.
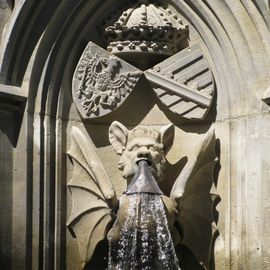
(184,83)
(101,82)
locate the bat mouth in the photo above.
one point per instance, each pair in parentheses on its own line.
(143,159)
(143,181)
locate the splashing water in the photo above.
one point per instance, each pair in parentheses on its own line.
(145,242)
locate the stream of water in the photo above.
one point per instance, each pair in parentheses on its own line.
(145,241)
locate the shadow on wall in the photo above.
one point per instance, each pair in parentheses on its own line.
(100,257)
(13,109)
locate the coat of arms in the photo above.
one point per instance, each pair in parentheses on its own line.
(102,82)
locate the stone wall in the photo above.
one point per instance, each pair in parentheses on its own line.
(40,50)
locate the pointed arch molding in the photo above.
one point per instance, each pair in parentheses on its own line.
(45,39)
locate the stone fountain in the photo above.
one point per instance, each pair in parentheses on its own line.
(142,225)
(146,43)
(144,241)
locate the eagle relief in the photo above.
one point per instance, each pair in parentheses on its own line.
(102,82)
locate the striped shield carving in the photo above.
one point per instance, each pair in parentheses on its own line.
(184,83)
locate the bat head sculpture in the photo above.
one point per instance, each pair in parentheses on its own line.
(141,143)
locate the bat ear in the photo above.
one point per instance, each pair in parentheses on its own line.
(167,136)
(118,135)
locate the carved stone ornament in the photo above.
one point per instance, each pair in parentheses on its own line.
(144,35)
(184,83)
(190,205)
(146,29)
(101,82)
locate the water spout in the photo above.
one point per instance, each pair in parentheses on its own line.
(145,241)
(143,181)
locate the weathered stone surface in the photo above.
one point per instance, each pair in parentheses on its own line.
(40,49)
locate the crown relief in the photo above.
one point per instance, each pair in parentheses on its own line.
(146,29)
(142,131)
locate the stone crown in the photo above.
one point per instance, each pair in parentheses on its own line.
(144,132)
(146,28)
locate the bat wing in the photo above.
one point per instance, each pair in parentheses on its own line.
(196,197)
(93,196)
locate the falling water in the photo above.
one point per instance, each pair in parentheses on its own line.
(145,242)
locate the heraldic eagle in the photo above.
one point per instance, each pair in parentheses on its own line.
(101,86)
